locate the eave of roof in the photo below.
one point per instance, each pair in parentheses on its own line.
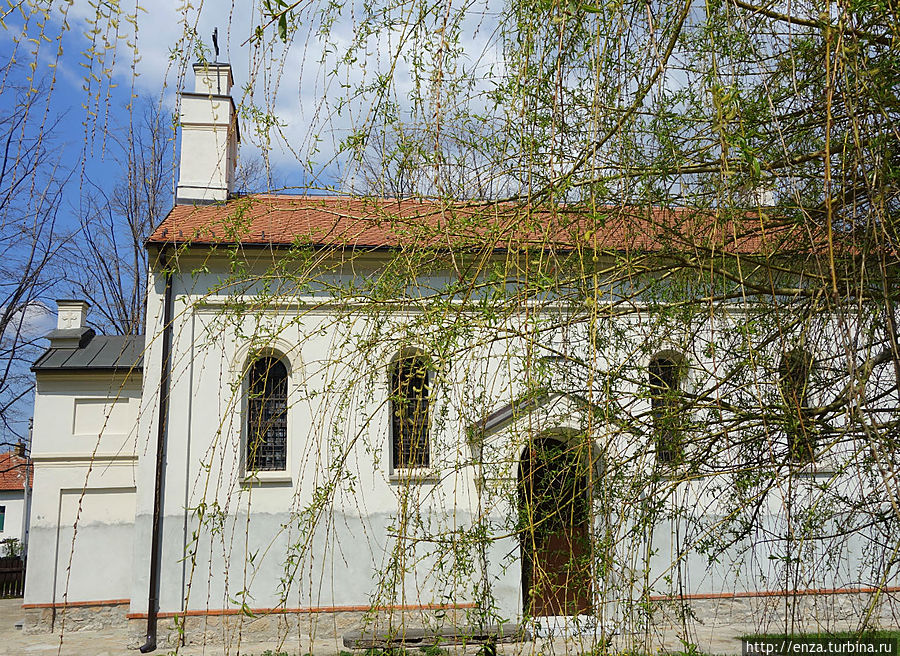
(343,222)
(522,406)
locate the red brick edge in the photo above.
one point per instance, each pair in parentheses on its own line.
(773,593)
(338,609)
(308,609)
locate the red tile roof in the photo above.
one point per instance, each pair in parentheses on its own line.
(357,222)
(12,472)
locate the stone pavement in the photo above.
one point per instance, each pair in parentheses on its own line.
(118,642)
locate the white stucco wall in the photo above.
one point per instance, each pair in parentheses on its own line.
(338,528)
(354,538)
(274,541)
(84,453)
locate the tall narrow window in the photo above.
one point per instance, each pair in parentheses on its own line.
(664,380)
(409,380)
(267,415)
(793,378)
(2,517)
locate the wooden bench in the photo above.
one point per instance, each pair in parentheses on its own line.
(490,636)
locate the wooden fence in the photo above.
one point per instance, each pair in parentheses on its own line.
(12,577)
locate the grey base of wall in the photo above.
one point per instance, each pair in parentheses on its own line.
(200,627)
(223,629)
(783,613)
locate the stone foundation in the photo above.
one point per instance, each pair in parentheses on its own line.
(81,617)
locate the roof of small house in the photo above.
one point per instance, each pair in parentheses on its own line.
(12,472)
(385,223)
(109,353)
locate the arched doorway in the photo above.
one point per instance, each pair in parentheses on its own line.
(554,522)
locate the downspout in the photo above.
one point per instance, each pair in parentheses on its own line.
(161,439)
(26,514)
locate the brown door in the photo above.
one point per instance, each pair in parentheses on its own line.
(554,515)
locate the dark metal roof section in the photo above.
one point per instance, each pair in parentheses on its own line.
(114,353)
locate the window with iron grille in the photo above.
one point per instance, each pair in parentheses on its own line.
(410,383)
(664,379)
(267,415)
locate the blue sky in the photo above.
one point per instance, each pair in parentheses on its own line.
(150,62)
(96,74)
(306,85)
(84,103)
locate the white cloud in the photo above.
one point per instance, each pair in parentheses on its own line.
(32,322)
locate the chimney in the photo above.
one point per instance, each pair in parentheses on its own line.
(209,137)
(71,325)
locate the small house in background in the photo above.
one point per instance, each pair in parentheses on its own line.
(15,500)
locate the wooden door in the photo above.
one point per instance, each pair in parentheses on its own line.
(554,514)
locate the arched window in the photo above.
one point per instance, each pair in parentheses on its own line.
(793,379)
(665,393)
(267,415)
(409,392)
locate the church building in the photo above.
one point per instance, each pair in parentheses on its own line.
(350,412)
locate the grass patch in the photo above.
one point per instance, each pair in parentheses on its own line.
(433,650)
(386,651)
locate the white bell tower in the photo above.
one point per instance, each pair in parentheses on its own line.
(209,137)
